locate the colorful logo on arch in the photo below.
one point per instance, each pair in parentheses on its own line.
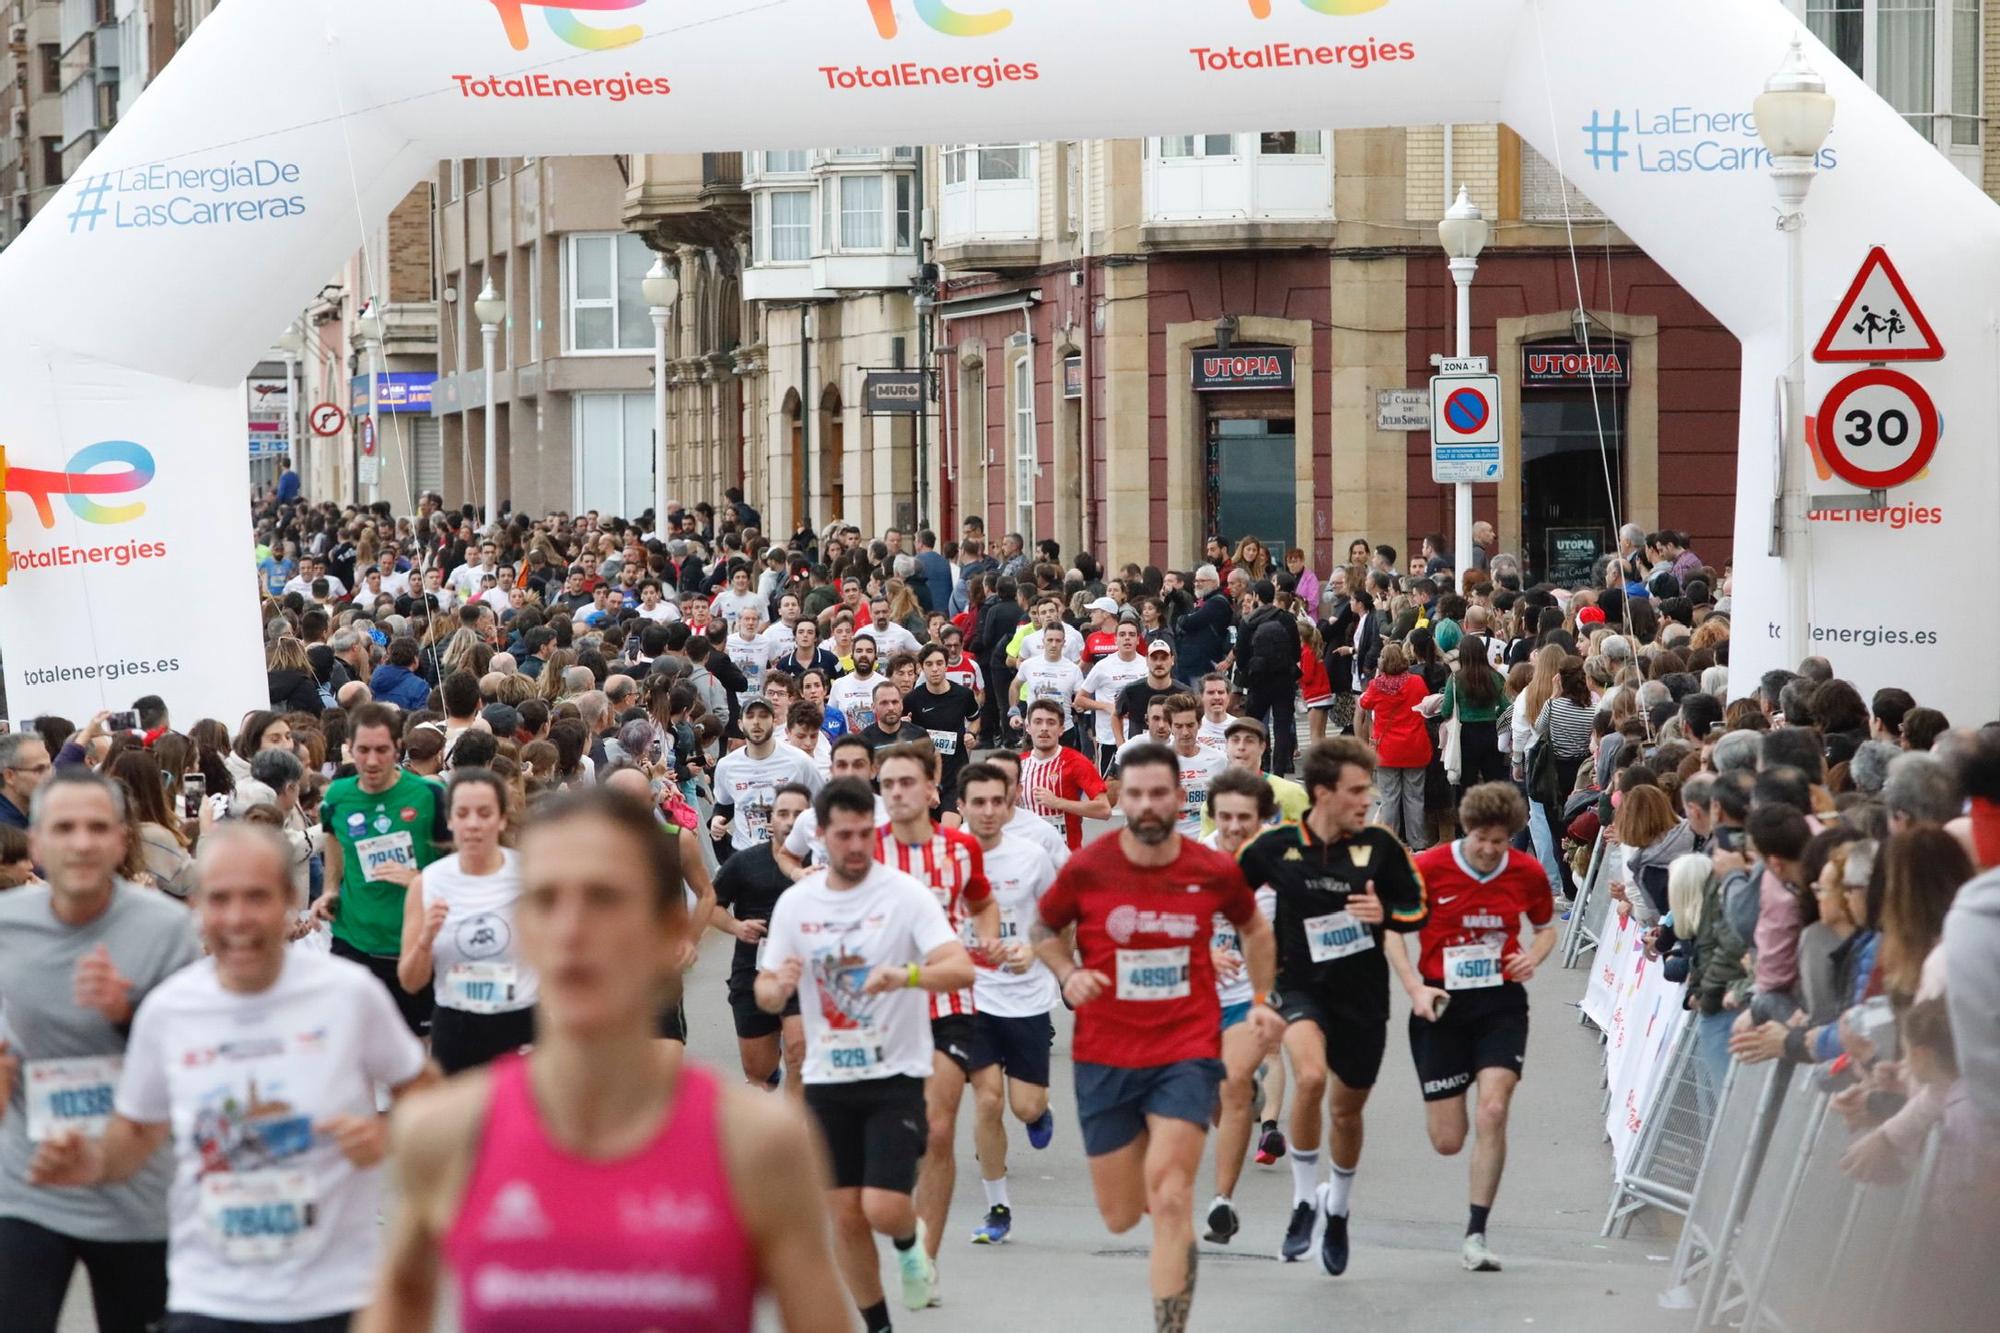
(78,482)
(563,21)
(942,17)
(1342,8)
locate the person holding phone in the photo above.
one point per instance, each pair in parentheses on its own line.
(1468,998)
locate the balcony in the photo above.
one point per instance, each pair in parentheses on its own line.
(842,221)
(1204,191)
(688,198)
(989,207)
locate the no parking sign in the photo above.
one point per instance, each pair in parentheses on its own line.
(1465,428)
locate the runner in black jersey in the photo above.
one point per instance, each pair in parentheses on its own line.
(949,713)
(1339,882)
(746,889)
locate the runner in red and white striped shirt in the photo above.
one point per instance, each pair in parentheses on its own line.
(951,863)
(1057,782)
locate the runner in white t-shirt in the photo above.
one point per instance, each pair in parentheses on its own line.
(854,693)
(1012,1033)
(803,850)
(750,650)
(1239,802)
(260,1064)
(1106,681)
(746,779)
(1199,764)
(730,602)
(1215,717)
(859,943)
(1046,675)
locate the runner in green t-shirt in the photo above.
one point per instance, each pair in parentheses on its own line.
(388,823)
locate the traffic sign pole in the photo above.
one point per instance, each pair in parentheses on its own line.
(1462,271)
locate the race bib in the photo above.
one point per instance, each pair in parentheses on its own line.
(945,742)
(1153,974)
(258,1217)
(70,1094)
(390,849)
(763,943)
(1472,967)
(849,1054)
(1336,935)
(482,988)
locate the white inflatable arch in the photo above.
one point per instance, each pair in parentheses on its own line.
(288,128)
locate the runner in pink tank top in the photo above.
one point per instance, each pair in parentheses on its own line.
(602,1183)
(547,1242)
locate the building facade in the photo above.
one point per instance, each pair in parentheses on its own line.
(30,111)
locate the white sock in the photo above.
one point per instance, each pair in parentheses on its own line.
(1305,1175)
(1337,1189)
(996,1192)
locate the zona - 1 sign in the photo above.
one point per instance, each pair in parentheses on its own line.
(1877,428)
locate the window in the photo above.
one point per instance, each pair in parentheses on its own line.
(1291,143)
(51,56)
(791,226)
(905,215)
(1923,56)
(792,162)
(1198,145)
(606,308)
(454,180)
(861,213)
(614,454)
(1024,445)
(533,351)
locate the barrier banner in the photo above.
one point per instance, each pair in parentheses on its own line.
(1643,1019)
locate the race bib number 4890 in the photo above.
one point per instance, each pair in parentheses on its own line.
(1153,974)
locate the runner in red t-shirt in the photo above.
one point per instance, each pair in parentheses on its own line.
(1468,1006)
(1148,1025)
(1102,640)
(952,864)
(1057,782)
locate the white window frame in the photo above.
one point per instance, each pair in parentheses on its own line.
(1942,118)
(1027,465)
(1253,177)
(763,250)
(534,301)
(571,303)
(628,504)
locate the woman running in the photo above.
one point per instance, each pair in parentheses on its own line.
(458,933)
(603,1181)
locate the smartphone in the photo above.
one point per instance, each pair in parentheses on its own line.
(1444,1003)
(193,788)
(1729,839)
(123,720)
(1717,728)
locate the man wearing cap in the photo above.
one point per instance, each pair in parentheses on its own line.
(1204,631)
(1157,683)
(1102,641)
(747,781)
(1587,616)
(1244,743)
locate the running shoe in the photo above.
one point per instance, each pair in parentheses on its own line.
(1333,1243)
(1222,1222)
(1476,1257)
(1270,1144)
(1299,1234)
(999,1221)
(1042,1129)
(919,1274)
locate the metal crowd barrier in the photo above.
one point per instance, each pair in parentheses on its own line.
(1777,1237)
(1673,1141)
(1587,913)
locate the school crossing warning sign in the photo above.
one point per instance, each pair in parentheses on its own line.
(1878,319)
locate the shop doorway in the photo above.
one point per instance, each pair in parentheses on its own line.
(833,454)
(1567,520)
(1251,481)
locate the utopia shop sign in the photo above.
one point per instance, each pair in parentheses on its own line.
(136,198)
(1244,368)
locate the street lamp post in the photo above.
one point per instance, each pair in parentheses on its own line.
(491,311)
(372,338)
(660,289)
(291,342)
(1794,116)
(1463,234)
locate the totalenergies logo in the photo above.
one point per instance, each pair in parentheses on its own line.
(953,23)
(561,15)
(77,483)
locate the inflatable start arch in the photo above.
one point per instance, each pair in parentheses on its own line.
(288,128)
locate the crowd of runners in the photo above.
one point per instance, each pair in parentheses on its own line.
(380,985)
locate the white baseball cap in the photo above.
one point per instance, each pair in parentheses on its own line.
(1104,604)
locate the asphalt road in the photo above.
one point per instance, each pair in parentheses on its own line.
(1408,1216)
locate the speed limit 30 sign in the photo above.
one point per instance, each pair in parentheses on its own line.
(1877,428)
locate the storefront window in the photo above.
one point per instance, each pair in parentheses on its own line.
(1252,480)
(1570,472)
